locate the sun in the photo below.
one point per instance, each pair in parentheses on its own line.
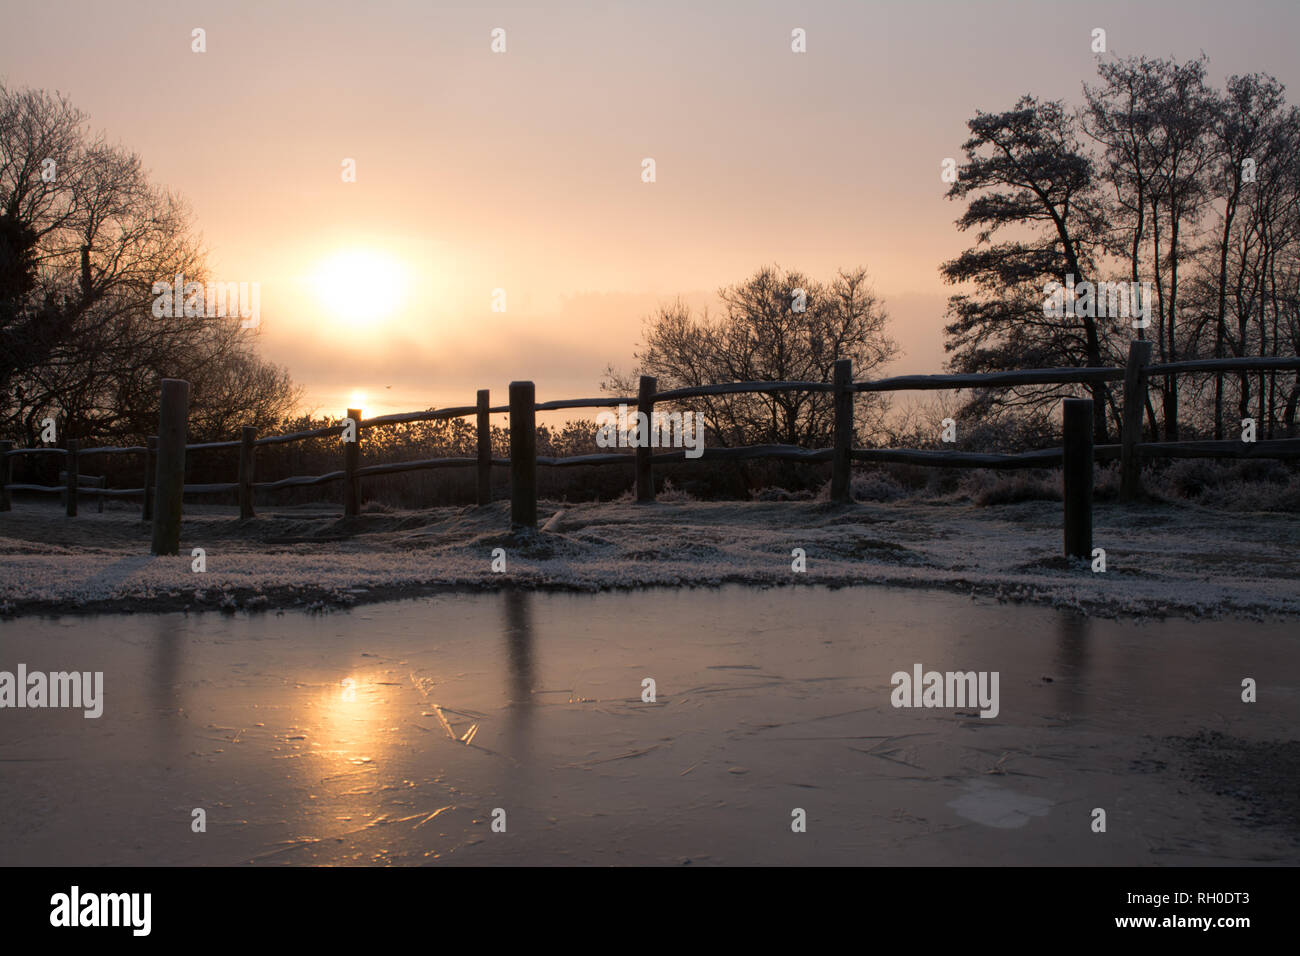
(359,287)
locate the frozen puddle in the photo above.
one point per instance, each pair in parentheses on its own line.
(994,806)
(397,733)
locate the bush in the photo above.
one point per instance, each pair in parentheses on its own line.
(1106,482)
(1248,485)
(1189,477)
(671,494)
(986,488)
(876,486)
(1241,495)
(782,494)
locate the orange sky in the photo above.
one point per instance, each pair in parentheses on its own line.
(521,170)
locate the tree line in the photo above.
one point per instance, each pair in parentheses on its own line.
(84,235)
(1155,180)
(1155,177)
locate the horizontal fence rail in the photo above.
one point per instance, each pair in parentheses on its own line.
(1264,364)
(523,407)
(1038,376)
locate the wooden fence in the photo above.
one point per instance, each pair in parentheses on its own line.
(164,457)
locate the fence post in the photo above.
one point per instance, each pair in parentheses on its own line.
(150,465)
(1135,400)
(645,479)
(70,488)
(6,472)
(1077,442)
(247,436)
(842,461)
(352,461)
(484,491)
(170,474)
(523,455)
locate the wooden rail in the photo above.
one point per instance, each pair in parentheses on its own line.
(164,456)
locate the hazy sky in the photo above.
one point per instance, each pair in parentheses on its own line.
(522,170)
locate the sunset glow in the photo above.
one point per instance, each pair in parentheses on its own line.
(360,287)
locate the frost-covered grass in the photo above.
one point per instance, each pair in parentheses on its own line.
(1161,559)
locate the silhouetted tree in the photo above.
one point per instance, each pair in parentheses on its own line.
(1025,171)
(83,237)
(775,326)
(1193,192)
(1155,119)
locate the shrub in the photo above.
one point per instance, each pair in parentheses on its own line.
(986,488)
(876,486)
(781,494)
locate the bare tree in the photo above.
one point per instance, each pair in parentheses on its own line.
(1155,119)
(1026,168)
(1246,112)
(1195,192)
(83,238)
(775,326)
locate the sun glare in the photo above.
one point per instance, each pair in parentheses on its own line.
(359,287)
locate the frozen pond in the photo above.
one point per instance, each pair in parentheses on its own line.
(318,738)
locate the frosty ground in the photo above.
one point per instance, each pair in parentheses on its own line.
(1161,559)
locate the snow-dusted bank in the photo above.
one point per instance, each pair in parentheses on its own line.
(1159,559)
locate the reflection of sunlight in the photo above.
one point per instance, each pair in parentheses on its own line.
(345,749)
(351,719)
(348,727)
